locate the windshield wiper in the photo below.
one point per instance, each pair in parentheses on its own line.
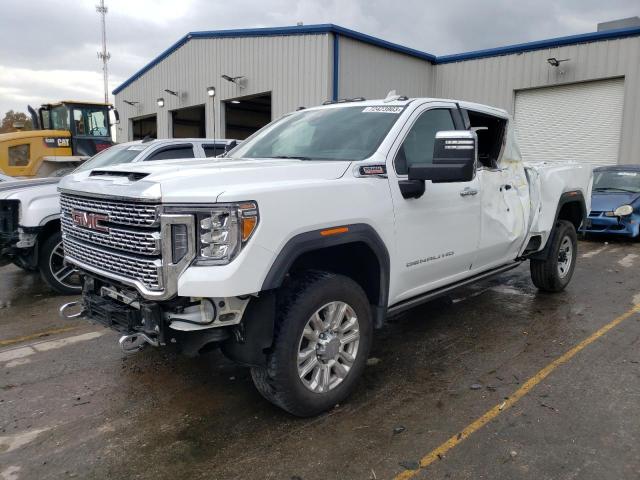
(292,157)
(602,189)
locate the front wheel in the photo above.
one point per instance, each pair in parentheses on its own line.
(322,338)
(59,275)
(554,273)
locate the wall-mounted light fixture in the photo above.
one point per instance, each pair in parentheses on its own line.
(235,101)
(237,80)
(554,62)
(171,92)
(211,92)
(131,102)
(160,102)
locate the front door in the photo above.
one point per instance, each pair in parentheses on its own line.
(437,234)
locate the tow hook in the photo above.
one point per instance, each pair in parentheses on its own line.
(135,342)
(63,310)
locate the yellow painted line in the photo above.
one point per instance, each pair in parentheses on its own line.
(458,438)
(26,338)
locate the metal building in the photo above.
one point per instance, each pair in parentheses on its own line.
(575,97)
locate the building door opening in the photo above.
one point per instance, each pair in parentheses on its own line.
(145,127)
(188,122)
(246,115)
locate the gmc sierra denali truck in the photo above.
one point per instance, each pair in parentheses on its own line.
(290,251)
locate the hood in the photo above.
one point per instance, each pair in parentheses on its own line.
(38,200)
(607,202)
(22,134)
(11,188)
(198,180)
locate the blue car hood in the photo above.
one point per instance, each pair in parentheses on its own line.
(606,202)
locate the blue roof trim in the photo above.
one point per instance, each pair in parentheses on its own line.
(541,44)
(345,32)
(277,31)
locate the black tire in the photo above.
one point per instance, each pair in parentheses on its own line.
(50,263)
(547,274)
(279,382)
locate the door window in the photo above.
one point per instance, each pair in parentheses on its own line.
(169,153)
(91,121)
(417,146)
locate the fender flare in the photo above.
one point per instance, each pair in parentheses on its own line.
(315,240)
(575,196)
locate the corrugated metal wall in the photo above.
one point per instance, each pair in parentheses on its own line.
(298,70)
(494,80)
(371,72)
(199,63)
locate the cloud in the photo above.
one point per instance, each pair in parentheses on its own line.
(48,48)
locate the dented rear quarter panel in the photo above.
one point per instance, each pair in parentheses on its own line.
(548,181)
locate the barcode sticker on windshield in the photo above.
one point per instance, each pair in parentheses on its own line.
(628,174)
(383,109)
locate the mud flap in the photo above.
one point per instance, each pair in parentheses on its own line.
(255,333)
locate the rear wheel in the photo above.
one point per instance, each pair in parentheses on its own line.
(59,274)
(554,273)
(322,340)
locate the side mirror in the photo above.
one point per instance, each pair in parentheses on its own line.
(116,115)
(454,158)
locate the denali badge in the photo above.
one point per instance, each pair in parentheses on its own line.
(89,220)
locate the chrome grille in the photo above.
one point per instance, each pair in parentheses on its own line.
(130,249)
(123,213)
(144,270)
(134,241)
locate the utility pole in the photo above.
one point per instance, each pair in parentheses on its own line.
(104,55)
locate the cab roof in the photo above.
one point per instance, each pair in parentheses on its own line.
(76,102)
(404,101)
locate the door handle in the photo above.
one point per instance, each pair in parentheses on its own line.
(468,192)
(505,187)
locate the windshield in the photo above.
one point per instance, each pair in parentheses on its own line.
(113,156)
(346,133)
(616,181)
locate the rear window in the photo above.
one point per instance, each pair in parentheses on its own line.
(19,155)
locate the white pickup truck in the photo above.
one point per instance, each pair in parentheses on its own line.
(30,212)
(288,253)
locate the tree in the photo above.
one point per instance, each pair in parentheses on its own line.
(12,117)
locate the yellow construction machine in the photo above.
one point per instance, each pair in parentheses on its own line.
(65,134)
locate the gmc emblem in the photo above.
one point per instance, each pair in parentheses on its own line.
(89,220)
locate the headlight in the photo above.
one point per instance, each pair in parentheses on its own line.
(623,210)
(223,230)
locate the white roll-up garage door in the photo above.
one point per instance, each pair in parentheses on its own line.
(580,121)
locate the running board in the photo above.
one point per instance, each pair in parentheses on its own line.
(439,292)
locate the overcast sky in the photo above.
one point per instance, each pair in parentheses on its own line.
(48,48)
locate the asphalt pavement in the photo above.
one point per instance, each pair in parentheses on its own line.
(497,381)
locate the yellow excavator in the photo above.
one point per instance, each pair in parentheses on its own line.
(65,134)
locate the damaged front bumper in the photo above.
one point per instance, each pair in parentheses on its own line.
(191,323)
(601,223)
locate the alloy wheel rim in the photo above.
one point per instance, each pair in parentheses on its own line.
(565,257)
(328,347)
(63,272)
